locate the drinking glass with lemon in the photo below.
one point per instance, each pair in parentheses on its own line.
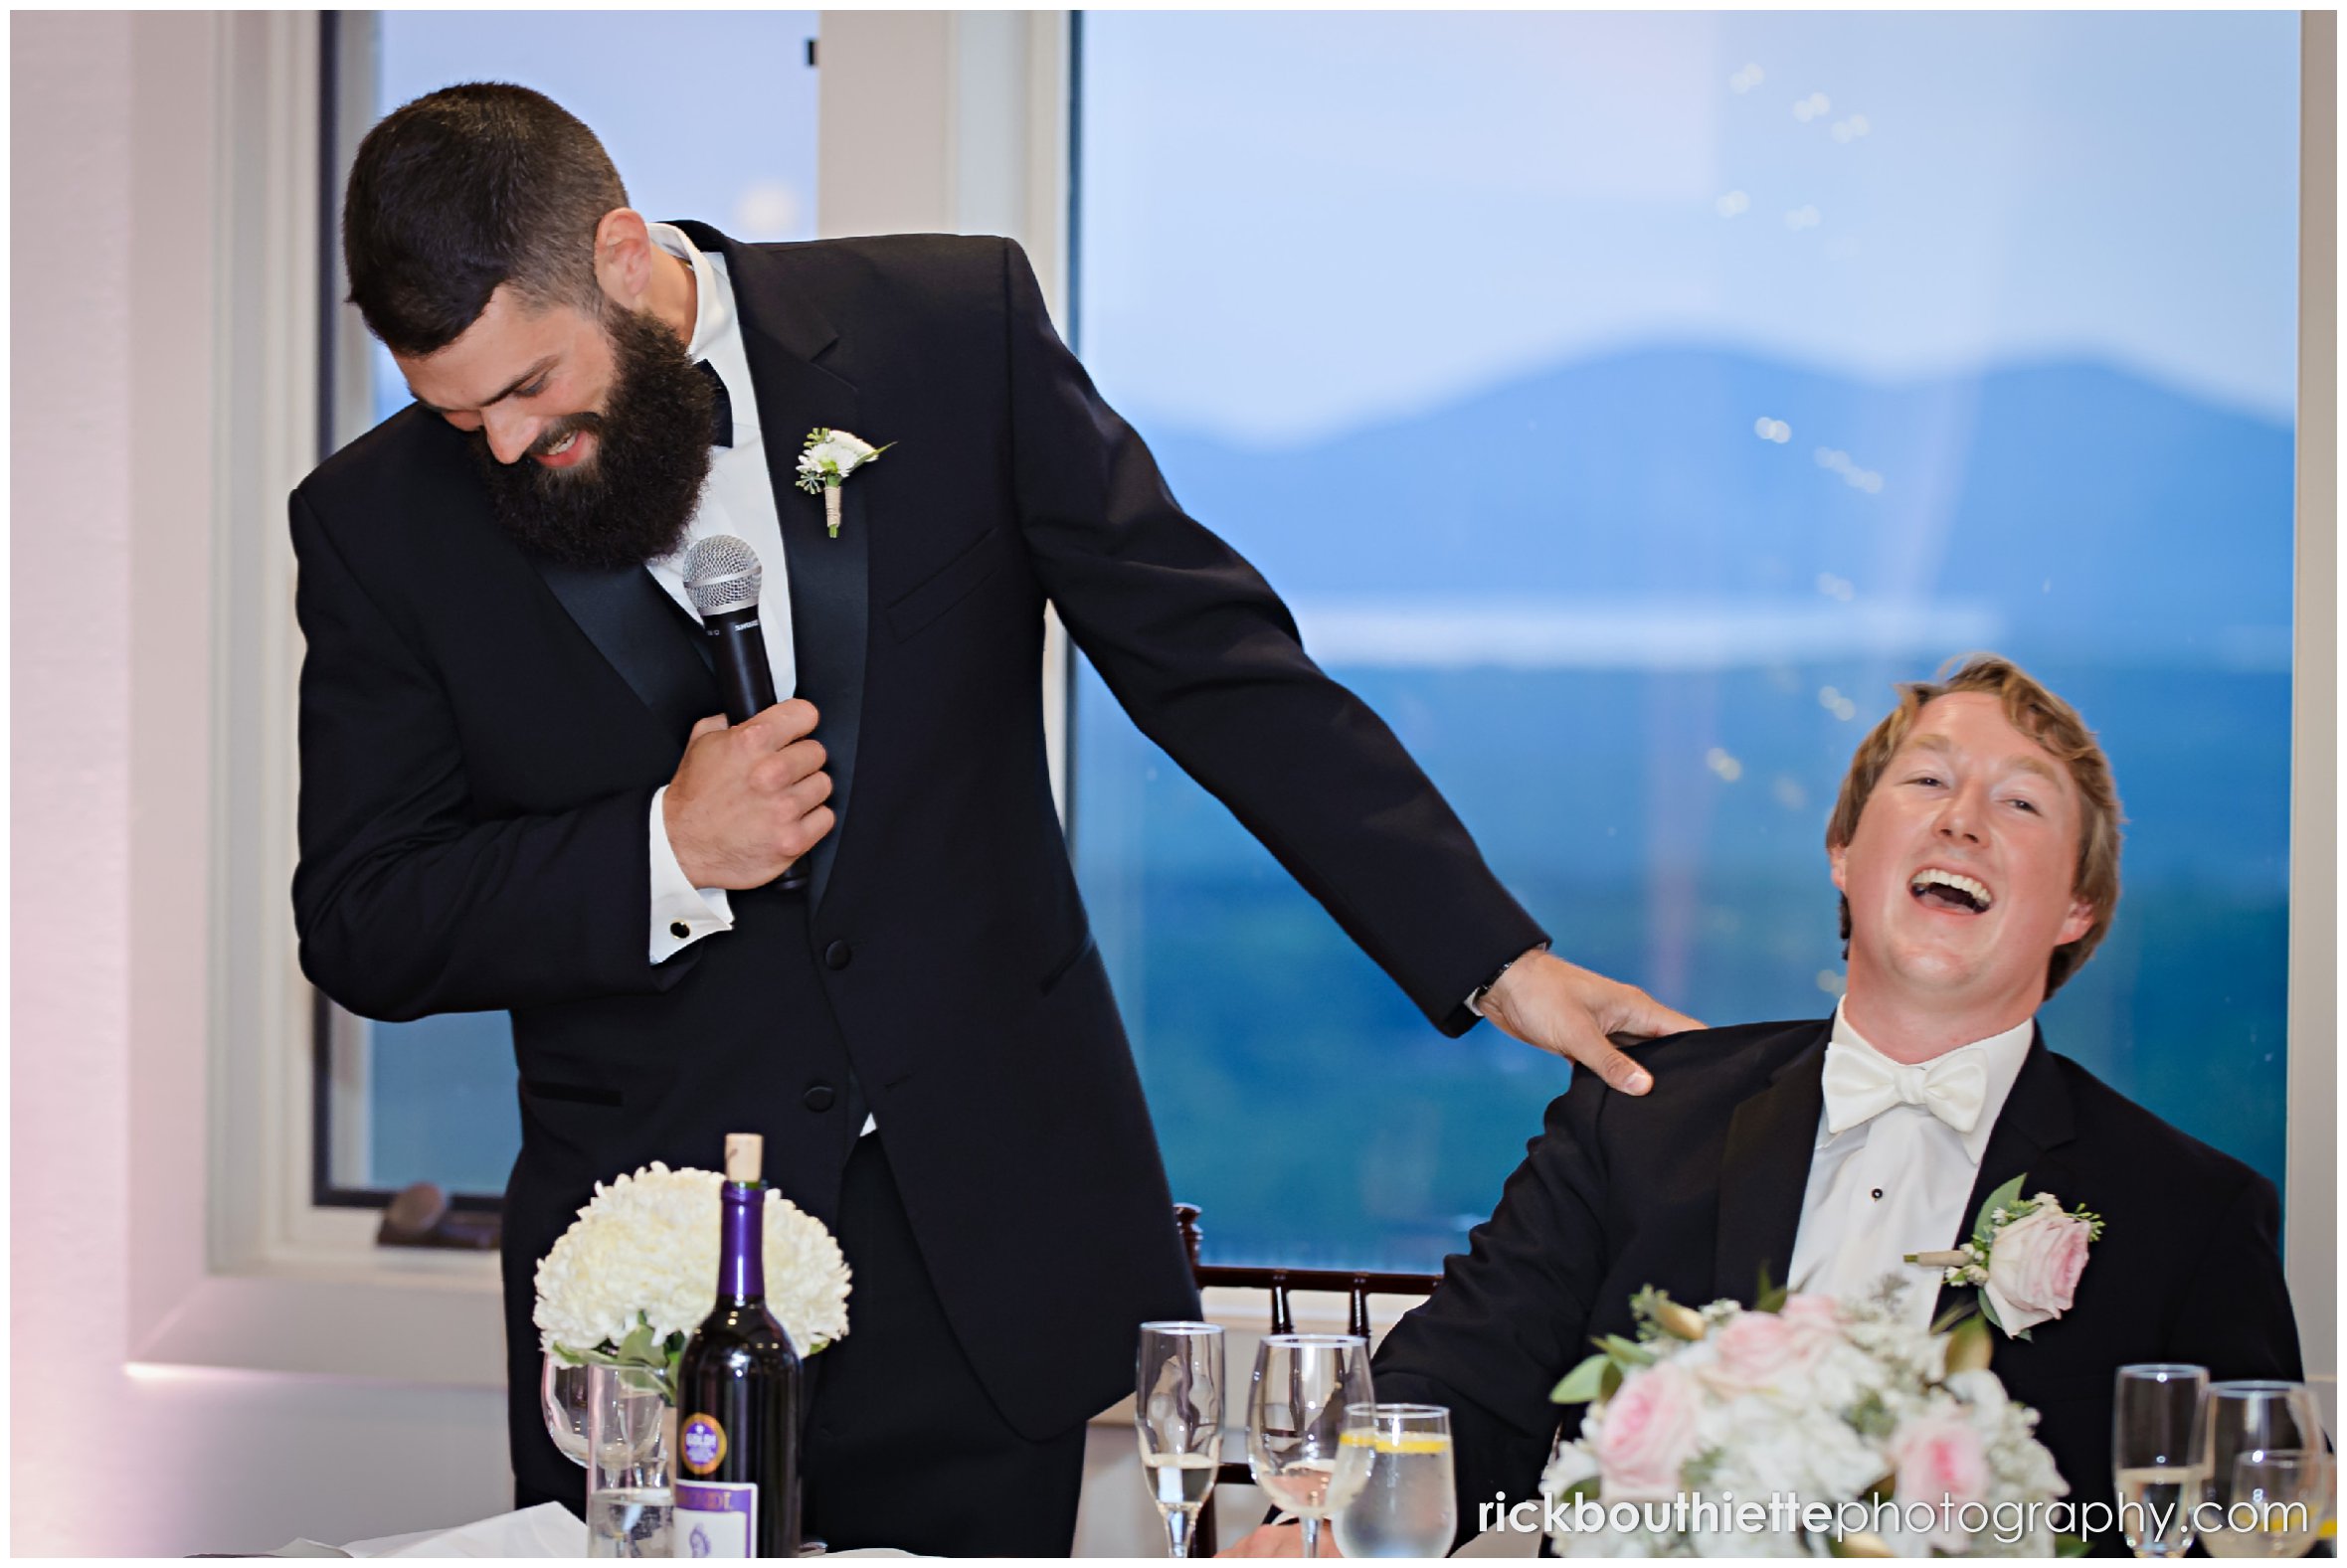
(1391,1494)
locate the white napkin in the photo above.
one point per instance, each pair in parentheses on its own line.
(547,1530)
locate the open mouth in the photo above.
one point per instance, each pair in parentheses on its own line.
(564,452)
(1952,891)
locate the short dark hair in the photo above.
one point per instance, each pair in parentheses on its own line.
(2045,719)
(465,189)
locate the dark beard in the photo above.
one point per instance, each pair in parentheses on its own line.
(632,498)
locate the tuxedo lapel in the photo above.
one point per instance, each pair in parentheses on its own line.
(645,636)
(830,578)
(1764,1174)
(2028,1140)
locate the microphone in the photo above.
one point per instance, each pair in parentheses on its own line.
(722,577)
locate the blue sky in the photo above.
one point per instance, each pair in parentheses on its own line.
(708,114)
(1364,214)
(1299,223)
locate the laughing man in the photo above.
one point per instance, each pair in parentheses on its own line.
(1976,846)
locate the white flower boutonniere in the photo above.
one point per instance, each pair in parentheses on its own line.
(830,456)
(2026,1255)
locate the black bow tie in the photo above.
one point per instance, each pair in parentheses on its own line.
(721,411)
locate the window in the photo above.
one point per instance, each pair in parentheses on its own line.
(713,116)
(1623,402)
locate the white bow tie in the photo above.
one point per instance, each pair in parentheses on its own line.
(1862,1084)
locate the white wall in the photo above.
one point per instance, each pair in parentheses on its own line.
(116,367)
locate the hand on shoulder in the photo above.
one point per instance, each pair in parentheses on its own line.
(1570,1011)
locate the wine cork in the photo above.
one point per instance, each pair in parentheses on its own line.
(745,1152)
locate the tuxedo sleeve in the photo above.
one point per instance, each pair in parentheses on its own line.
(2235,1315)
(1511,1317)
(406,902)
(1206,659)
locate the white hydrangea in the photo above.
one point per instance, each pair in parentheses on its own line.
(647,1245)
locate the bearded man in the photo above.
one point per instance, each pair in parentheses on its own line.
(516,795)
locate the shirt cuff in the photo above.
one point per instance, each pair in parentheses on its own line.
(1475,997)
(681,913)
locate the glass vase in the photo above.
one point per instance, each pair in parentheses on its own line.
(629,1422)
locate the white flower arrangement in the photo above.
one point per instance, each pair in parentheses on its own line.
(637,1272)
(829,458)
(1806,1398)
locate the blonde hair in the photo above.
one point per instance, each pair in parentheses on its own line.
(2051,723)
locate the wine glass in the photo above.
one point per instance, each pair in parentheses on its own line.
(2281,1493)
(562,1400)
(1177,1411)
(2264,1450)
(1391,1494)
(1296,1419)
(2159,1453)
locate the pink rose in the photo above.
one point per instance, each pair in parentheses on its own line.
(1941,1464)
(1646,1433)
(1765,1351)
(1812,1312)
(2034,1267)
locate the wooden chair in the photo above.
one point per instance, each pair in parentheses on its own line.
(1357,1286)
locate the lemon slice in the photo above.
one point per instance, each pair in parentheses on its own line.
(1386,1442)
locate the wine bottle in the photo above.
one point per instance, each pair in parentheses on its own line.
(737,1466)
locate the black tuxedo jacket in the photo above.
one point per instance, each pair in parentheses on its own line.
(481,733)
(1696,1186)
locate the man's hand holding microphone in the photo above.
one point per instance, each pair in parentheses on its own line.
(747,800)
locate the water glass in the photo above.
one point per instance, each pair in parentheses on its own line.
(2159,1453)
(1392,1492)
(1177,1411)
(628,1502)
(1303,1385)
(2265,1451)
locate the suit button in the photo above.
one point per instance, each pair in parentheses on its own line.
(820,1096)
(838,954)
(678,928)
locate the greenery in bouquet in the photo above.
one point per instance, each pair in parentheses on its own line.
(637,1272)
(1842,1404)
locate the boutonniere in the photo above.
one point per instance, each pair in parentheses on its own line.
(2026,1255)
(830,456)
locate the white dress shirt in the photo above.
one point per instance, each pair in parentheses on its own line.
(1898,1182)
(738,500)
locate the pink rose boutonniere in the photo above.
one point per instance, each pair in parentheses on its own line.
(2026,1255)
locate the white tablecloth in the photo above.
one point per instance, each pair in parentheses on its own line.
(547,1530)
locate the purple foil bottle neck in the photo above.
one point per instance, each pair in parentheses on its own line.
(741,1257)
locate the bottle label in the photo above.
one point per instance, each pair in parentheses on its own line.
(703,1442)
(715,1518)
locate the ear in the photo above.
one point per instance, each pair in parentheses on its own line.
(2076,923)
(623,256)
(1838,857)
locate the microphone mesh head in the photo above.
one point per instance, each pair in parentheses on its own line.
(722,573)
